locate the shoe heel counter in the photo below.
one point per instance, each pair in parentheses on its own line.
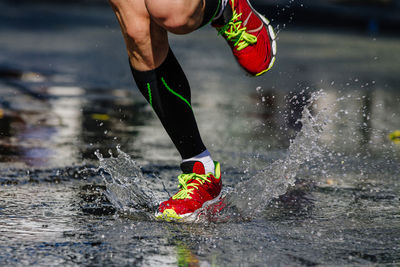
(217,170)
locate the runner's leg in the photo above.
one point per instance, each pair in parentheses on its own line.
(159,76)
(146,42)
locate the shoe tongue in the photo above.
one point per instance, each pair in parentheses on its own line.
(193,167)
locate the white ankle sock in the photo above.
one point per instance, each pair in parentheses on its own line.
(223,5)
(205,158)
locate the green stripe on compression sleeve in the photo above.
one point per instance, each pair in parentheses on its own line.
(175,93)
(149,91)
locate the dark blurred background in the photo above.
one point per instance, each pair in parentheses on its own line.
(374,16)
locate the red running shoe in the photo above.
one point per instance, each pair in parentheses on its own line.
(197,190)
(250,36)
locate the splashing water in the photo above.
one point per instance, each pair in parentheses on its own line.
(249,198)
(128,190)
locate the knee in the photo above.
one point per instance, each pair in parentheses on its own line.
(176,16)
(138,33)
(135,23)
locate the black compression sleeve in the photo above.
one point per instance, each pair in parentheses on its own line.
(167,90)
(211,8)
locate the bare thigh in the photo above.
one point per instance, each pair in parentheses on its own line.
(146,41)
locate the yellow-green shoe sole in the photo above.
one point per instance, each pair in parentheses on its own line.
(169,215)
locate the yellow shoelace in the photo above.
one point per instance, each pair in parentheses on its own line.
(184,179)
(234,32)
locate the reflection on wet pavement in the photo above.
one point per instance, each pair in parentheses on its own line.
(61,102)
